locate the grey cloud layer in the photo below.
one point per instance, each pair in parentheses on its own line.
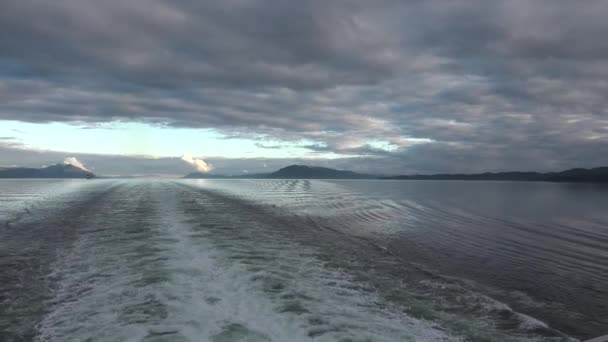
(500,84)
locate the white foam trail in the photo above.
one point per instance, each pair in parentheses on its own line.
(202,298)
(217,294)
(216,283)
(307,300)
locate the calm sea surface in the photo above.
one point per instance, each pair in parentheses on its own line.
(302,260)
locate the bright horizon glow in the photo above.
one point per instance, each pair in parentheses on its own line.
(141,139)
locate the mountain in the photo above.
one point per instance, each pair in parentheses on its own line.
(293,171)
(203,175)
(595,175)
(316,172)
(515,175)
(53,171)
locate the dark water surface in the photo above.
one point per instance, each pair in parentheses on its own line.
(300,260)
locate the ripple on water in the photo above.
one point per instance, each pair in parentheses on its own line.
(235,332)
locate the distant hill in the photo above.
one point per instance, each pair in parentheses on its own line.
(595,175)
(203,175)
(293,171)
(53,171)
(316,172)
(598,175)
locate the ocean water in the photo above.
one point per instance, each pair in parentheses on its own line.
(302,260)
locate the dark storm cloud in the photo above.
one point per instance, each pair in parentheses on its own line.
(492,84)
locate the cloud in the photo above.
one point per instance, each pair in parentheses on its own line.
(11,142)
(74,162)
(260,145)
(199,164)
(501,78)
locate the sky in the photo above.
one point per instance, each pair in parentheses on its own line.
(128,87)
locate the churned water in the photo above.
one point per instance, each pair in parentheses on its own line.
(302,260)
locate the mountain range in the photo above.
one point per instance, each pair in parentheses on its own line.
(594,175)
(53,171)
(294,171)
